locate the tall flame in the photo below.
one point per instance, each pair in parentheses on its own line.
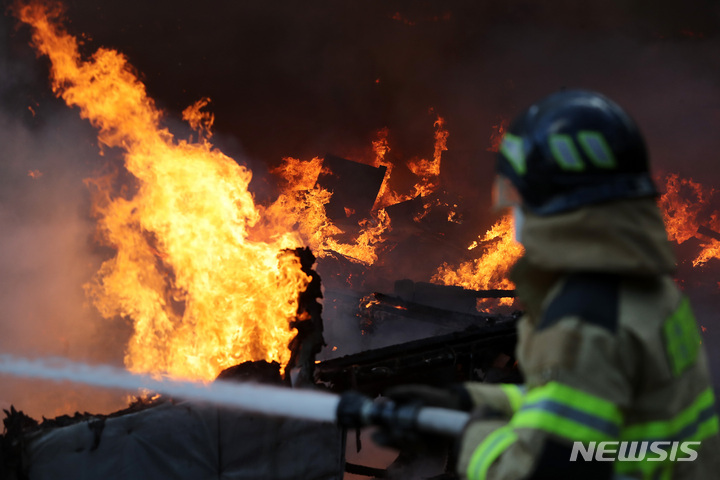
(428,171)
(201,294)
(386,196)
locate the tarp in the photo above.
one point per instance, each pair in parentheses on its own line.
(186,441)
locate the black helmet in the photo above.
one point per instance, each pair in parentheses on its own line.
(571,149)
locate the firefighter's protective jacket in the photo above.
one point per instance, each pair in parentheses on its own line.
(610,352)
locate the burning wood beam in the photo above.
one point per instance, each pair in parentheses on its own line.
(703,230)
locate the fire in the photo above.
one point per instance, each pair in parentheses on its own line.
(686,207)
(386,196)
(199,120)
(398,17)
(491,269)
(428,171)
(301,205)
(497,135)
(203,292)
(683,205)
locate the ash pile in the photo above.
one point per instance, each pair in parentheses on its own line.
(355,338)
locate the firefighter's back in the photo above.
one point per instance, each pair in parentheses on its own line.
(672,400)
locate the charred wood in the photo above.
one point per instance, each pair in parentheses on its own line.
(446,297)
(477,353)
(355,187)
(703,230)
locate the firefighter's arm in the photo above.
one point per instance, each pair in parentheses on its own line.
(503,398)
(577,390)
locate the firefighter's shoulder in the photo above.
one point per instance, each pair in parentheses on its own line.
(592,297)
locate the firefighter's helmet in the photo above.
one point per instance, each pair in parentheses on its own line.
(571,149)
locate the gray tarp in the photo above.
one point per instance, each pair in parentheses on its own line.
(187,441)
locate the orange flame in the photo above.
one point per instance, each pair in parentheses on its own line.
(491,270)
(429,170)
(381,147)
(386,196)
(497,135)
(200,121)
(301,205)
(685,206)
(202,295)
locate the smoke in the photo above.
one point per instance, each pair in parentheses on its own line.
(46,247)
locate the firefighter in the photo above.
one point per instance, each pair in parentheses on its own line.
(608,346)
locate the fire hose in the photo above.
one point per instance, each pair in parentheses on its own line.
(356,410)
(351,409)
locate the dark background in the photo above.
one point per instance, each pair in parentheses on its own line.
(304,78)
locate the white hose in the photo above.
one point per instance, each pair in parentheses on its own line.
(249,397)
(442,421)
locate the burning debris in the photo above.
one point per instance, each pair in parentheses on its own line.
(354,188)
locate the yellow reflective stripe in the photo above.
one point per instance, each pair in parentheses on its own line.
(562,426)
(707,429)
(488,451)
(682,338)
(570,413)
(514,395)
(577,400)
(696,422)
